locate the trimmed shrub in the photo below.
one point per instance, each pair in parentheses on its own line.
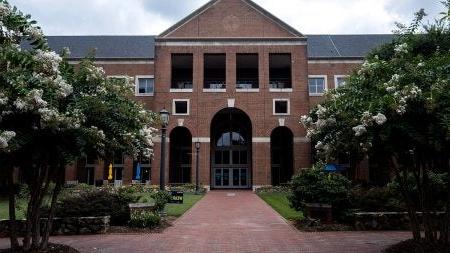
(144,220)
(95,203)
(317,186)
(161,199)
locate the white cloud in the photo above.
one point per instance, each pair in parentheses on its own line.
(91,17)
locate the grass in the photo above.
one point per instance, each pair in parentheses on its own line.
(4,209)
(177,210)
(280,202)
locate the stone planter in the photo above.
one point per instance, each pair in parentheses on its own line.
(64,226)
(322,212)
(386,220)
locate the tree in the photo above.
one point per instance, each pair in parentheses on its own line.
(396,108)
(52,113)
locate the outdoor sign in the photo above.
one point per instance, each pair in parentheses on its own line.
(177,197)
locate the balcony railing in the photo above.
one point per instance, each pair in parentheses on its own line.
(280,83)
(215,84)
(247,84)
(182,84)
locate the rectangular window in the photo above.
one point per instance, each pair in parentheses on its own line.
(280,71)
(340,80)
(247,71)
(317,85)
(214,71)
(182,71)
(180,107)
(281,107)
(145,85)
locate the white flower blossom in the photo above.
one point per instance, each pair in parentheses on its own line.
(319,145)
(380,119)
(95,73)
(421,64)
(359,130)
(35,97)
(401,48)
(34,32)
(321,111)
(65,89)
(5,137)
(20,104)
(49,61)
(4,10)
(3,99)
(366,118)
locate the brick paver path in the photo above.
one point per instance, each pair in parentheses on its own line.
(233,221)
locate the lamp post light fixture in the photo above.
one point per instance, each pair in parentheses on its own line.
(164,114)
(197,148)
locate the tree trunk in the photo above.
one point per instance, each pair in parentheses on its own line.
(12,212)
(412,213)
(51,215)
(34,193)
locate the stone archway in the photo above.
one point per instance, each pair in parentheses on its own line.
(282,157)
(180,156)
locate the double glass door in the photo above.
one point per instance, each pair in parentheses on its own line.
(230,167)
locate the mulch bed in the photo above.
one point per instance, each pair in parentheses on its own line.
(165,223)
(52,248)
(411,246)
(307,227)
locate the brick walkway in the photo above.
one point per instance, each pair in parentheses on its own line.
(238,222)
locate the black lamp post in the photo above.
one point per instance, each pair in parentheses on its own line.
(197,148)
(165,122)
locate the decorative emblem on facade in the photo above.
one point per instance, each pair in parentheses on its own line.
(231,23)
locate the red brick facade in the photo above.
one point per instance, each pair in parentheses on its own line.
(228,27)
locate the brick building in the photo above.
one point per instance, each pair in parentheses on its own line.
(235,79)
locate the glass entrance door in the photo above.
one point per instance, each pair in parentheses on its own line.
(231,149)
(230,162)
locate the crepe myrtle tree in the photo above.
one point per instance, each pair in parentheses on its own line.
(51,114)
(396,108)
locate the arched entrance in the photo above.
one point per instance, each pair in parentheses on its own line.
(282,157)
(180,156)
(231,144)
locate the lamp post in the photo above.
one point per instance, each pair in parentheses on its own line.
(197,148)
(165,122)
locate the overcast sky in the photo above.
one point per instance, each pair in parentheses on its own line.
(151,17)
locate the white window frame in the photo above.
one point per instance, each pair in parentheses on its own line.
(325,77)
(336,77)
(275,100)
(247,90)
(174,112)
(214,90)
(136,84)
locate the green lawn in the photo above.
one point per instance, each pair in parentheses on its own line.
(4,209)
(279,202)
(177,210)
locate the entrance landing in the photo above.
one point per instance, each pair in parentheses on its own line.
(233,221)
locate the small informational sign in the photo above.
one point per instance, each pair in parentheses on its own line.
(177,197)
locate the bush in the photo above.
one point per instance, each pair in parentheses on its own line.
(94,203)
(376,199)
(144,220)
(317,186)
(161,199)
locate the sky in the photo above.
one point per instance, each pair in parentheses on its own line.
(152,17)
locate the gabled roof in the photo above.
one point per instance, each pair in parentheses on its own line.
(345,46)
(106,47)
(143,47)
(249,2)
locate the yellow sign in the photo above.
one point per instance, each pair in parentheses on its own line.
(110,173)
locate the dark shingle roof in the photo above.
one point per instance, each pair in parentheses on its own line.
(345,46)
(106,47)
(143,47)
